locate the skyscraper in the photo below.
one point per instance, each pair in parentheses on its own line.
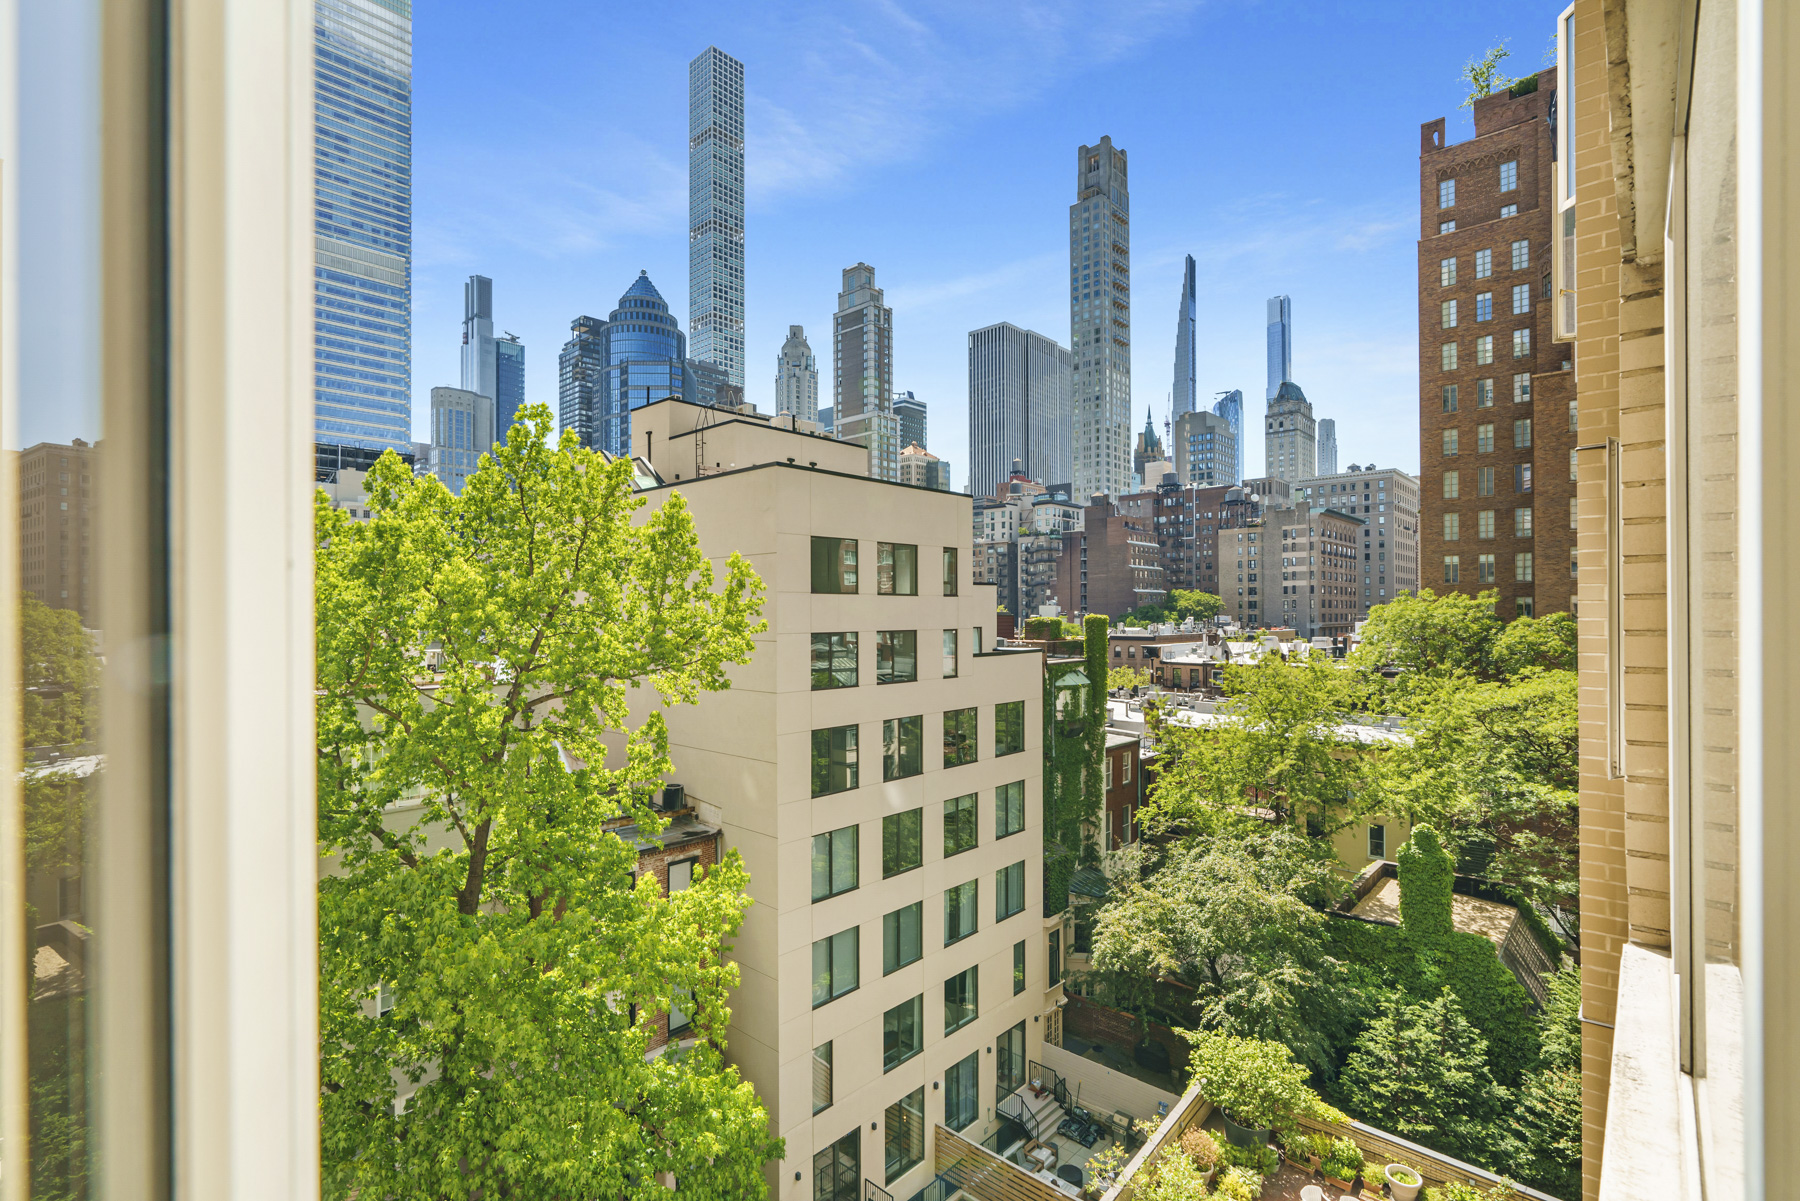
(1205,451)
(1290,436)
(716,211)
(1149,449)
(1230,406)
(1281,343)
(493,367)
(362,223)
(909,411)
(509,382)
(1186,396)
(1021,406)
(862,386)
(1327,446)
(581,373)
(1100,320)
(462,429)
(797,377)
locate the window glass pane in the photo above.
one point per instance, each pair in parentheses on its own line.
(959,825)
(902,747)
(1009,1061)
(959,737)
(901,937)
(834,760)
(896,656)
(1009,809)
(950,573)
(960,999)
(1009,888)
(1009,727)
(834,565)
(949,664)
(905,1134)
(962,1092)
(902,842)
(902,1032)
(959,911)
(821,1074)
(1018,967)
(896,569)
(834,660)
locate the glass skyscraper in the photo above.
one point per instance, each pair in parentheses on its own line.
(1185,396)
(716,211)
(362,223)
(1230,406)
(1281,343)
(509,383)
(581,372)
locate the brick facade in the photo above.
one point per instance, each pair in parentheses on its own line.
(1502,472)
(1111,565)
(684,841)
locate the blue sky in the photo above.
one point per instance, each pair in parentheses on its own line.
(1276,142)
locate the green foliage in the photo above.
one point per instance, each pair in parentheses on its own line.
(1181,604)
(1426,633)
(1542,1139)
(1173,1177)
(463,803)
(1234,918)
(1456,1190)
(1201,1147)
(1426,877)
(1118,678)
(1544,643)
(1420,1071)
(1254,1080)
(1484,76)
(59,675)
(1263,1160)
(1239,1184)
(1341,1158)
(1075,740)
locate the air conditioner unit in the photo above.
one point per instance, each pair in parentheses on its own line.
(674,798)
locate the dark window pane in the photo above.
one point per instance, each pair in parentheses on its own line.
(1009,809)
(834,660)
(901,941)
(905,1134)
(1009,728)
(834,760)
(834,565)
(902,747)
(902,1033)
(960,726)
(959,825)
(896,656)
(902,842)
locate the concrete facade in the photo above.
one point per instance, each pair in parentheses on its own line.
(1205,447)
(56,487)
(1100,319)
(1021,407)
(862,372)
(1290,435)
(797,377)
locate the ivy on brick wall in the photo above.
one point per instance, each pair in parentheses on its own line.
(1074,740)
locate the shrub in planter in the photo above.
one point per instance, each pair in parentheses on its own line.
(1342,1160)
(1259,1159)
(1202,1148)
(1254,1081)
(1240,1184)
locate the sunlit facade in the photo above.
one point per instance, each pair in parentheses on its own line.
(716,211)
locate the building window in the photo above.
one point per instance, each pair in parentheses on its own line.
(1508,210)
(1484,306)
(962,1092)
(1523,606)
(1450,437)
(834,565)
(1009,891)
(949,654)
(1452,527)
(1449,394)
(959,737)
(959,825)
(834,660)
(1521,343)
(1522,434)
(833,760)
(1522,391)
(1521,254)
(1447,356)
(821,1073)
(902,842)
(902,937)
(1009,1061)
(1446,273)
(896,569)
(1446,193)
(1484,350)
(1521,523)
(1018,967)
(1447,314)
(1484,569)
(1009,727)
(1378,842)
(902,747)
(1484,263)
(834,966)
(1452,569)
(1009,809)
(1574,511)
(833,863)
(1509,176)
(1484,393)
(1521,477)
(1055,960)
(1452,485)
(1484,524)
(896,656)
(950,572)
(837,1170)
(959,910)
(1521,298)
(902,1032)
(1484,481)
(1522,566)
(905,1134)
(1446,227)
(1574,564)
(1484,438)
(962,999)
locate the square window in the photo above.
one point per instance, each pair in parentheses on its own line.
(834,760)
(1522,391)
(1009,727)
(1484,263)
(1521,523)
(1509,210)
(1523,605)
(1447,356)
(834,966)
(1448,314)
(833,863)
(1521,343)
(1452,569)
(1009,891)
(949,665)
(902,747)
(1521,254)
(896,569)
(1484,306)
(896,656)
(1446,193)
(959,910)
(1509,176)
(950,572)
(834,660)
(902,1032)
(1452,527)
(902,842)
(1450,441)
(1446,273)
(902,937)
(1445,227)
(1484,350)
(1449,396)
(834,565)
(1009,809)
(1522,566)
(821,1075)
(962,1092)
(962,999)
(1522,433)
(1452,485)
(960,732)
(959,825)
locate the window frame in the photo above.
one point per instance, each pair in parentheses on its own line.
(823,1063)
(848,766)
(968,986)
(893,832)
(838,645)
(1005,800)
(951,571)
(898,753)
(891,572)
(890,650)
(845,567)
(1009,714)
(832,860)
(961,815)
(917,1005)
(1009,888)
(970,751)
(964,902)
(894,928)
(853,956)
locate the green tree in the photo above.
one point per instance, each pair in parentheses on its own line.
(1431,634)
(59,672)
(1483,74)
(1543,1131)
(1126,677)
(1420,1071)
(1528,644)
(475,659)
(1201,606)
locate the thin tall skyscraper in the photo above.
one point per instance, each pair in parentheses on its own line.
(797,377)
(362,223)
(1100,320)
(1230,406)
(581,380)
(1186,394)
(478,336)
(862,354)
(716,211)
(1281,343)
(1327,446)
(1020,407)
(509,382)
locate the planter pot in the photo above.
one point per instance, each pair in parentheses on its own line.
(1401,1190)
(1206,1181)
(1342,1186)
(1245,1136)
(1312,1163)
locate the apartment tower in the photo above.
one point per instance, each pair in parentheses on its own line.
(909,411)
(1290,435)
(492,366)
(362,223)
(1281,343)
(1021,407)
(716,211)
(1387,500)
(1230,406)
(1185,396)
(797,377)
(1100,320)
(1328,458)
(1205,450)
(862,370)
(1496,394)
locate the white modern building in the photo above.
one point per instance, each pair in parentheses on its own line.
(1100,320)
(1020,407)
(462,429)
(1327,446)
(716,212)
(797,377)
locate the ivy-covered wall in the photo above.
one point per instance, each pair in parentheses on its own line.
(1074,740)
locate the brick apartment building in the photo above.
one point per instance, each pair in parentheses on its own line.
(1496,394)
(1111,565)
(1184,521)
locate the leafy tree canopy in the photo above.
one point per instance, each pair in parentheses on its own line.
(1126,677)
(1180,604)
(1428,638)
(475,656)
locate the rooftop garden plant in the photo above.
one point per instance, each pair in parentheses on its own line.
(1239,1184)
(1201,1147)
(1255,1081)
